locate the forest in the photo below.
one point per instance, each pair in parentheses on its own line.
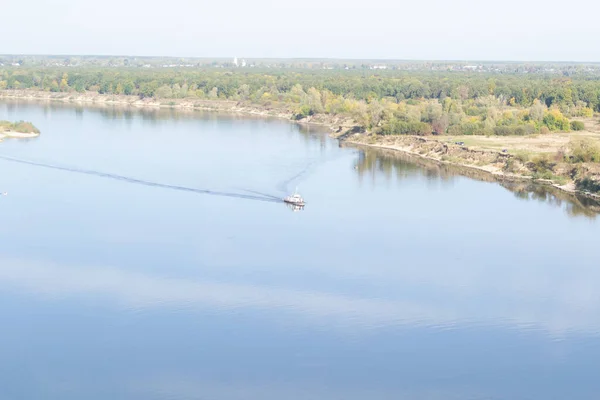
(385,102)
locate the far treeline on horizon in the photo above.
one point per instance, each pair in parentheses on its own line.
(498,66)
(387,97)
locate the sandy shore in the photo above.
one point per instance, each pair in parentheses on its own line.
(17,135)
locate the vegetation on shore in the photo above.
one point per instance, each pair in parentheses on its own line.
(383,106)
(573,166)
(386,102)
(19,127)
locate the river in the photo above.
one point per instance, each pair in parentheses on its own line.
(144,255)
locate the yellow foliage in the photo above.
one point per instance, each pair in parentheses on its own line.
(586,112)
(64,82)
(390,106)
(557,114)
(402,107)
(523,114)
(447,104)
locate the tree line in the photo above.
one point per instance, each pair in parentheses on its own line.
(385,102)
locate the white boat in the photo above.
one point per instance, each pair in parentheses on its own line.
(295,199)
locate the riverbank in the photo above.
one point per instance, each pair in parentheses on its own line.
(378,158)
(503,165)
(280,110)
(504,157)
(17,135)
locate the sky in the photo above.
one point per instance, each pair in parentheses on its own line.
(519,30)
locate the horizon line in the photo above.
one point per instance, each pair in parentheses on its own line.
(458,60)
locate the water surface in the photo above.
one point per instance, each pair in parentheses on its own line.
(399,280)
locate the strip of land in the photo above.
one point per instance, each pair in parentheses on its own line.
(18,135)
(566,160)
(18,130)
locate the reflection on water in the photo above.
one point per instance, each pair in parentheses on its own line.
(543,307)
(574,204)
(374,163)
(399,279)
(294,207)
(154,115)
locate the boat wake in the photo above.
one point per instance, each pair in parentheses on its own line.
(256,196)
(283,186)
(269,196)
(306,170)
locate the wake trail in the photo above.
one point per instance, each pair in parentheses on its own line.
(283,186)
(270,196)
(262,197)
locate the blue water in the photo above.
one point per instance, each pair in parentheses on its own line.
(397,280)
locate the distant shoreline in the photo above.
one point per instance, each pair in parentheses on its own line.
(229,106)
(341,128)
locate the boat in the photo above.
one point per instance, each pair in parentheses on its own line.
(295,199)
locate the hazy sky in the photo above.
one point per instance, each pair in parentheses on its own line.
(397,29)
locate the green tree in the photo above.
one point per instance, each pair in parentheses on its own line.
(163,92)
(577,125)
